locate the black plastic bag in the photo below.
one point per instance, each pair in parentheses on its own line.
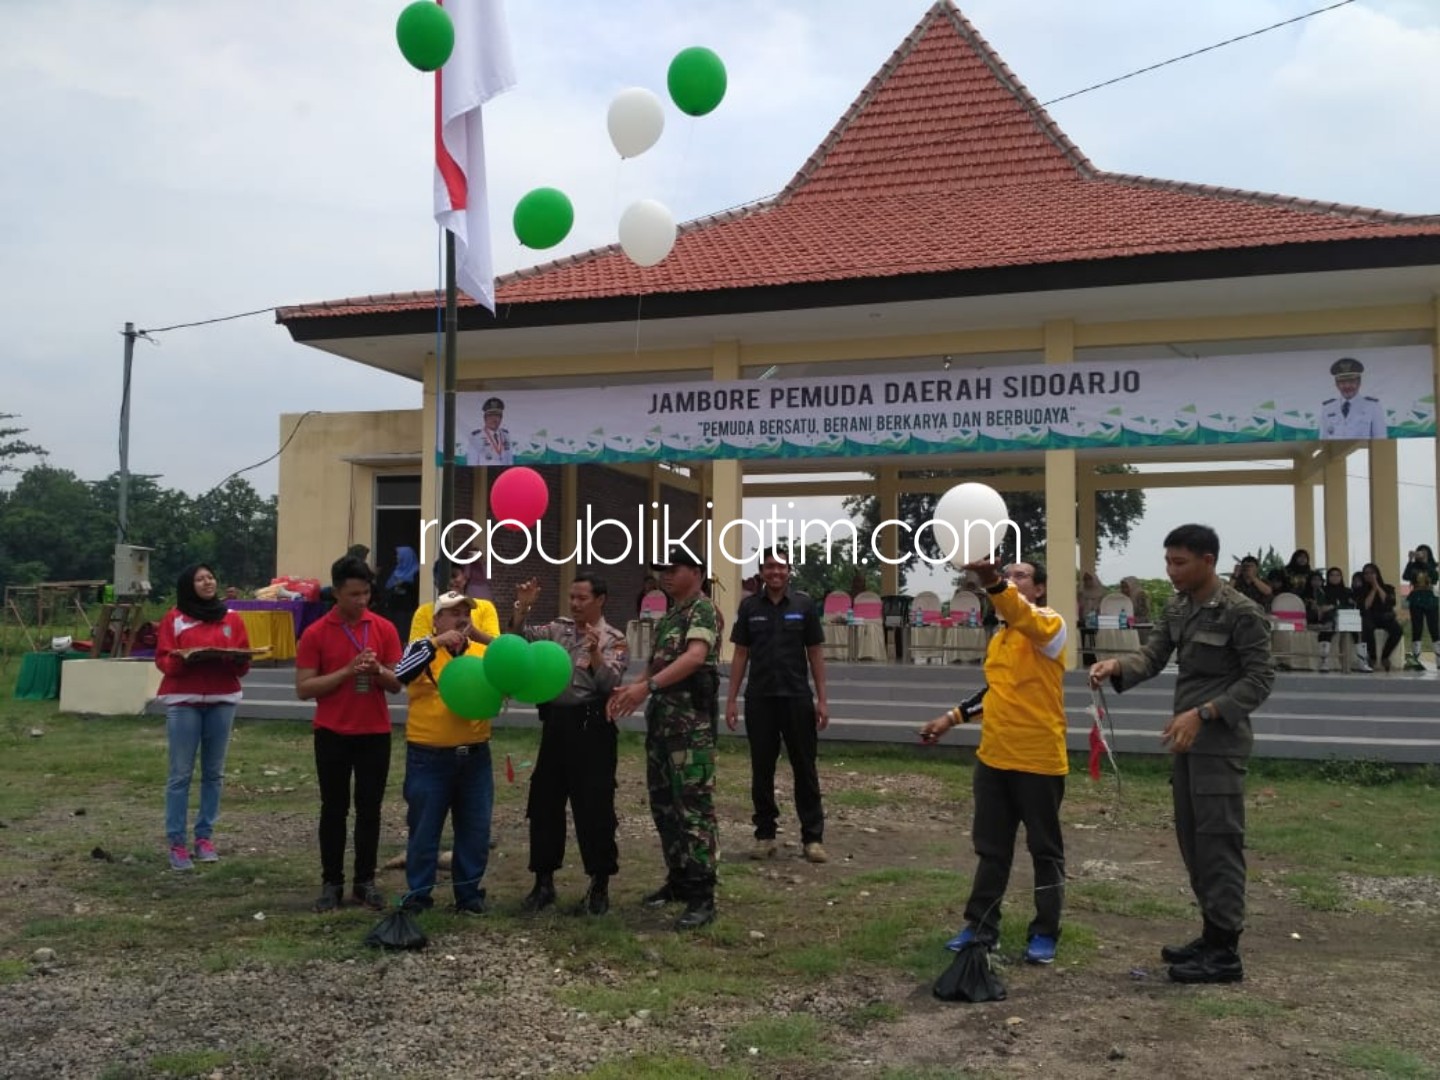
(970,976)
(398,930)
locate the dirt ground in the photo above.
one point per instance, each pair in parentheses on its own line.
(1349,992)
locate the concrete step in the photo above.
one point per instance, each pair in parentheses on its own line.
(1389,717)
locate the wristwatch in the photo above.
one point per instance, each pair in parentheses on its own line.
(1207,714)
(652,686)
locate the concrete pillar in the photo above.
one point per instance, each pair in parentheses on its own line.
(726,481)
(1385,546)
(1088,524)
(1337,511)
(1060,501)
(888,493)
(1304,510)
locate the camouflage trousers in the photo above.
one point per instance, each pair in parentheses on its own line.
(680,773)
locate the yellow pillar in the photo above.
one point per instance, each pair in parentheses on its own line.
(1304,511)
(1337,511)
(1089,529)
(1385,508)
(725,493)
(569,506)
(888,494)
(1060,500)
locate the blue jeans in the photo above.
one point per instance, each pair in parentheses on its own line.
(189,728)
(457,781)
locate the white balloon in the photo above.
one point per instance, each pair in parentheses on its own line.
(647,232)
(635,120)
(975,513)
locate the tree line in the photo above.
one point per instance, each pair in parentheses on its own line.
(55,526)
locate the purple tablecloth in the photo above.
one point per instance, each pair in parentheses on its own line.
(304,612)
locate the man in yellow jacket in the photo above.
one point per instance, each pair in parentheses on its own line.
(1022,761)
(447,765)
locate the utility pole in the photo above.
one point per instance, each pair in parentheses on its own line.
(447,403)
(122,522)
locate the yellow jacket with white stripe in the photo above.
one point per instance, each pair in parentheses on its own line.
(429,722)
(1023,725)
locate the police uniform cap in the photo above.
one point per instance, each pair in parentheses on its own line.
(493,404)
(679,557)
(1347,367)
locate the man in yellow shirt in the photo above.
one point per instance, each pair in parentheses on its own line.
(447,765)
(484,620)
(1022,762)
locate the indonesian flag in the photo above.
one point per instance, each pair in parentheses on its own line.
(479,68)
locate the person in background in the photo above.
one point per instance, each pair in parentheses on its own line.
(1297,573)
(1131,587)
(1337,596)
(200,693)
(1376,601)
(1087,602)
(1022,762)
(649,585)
(1249,584)
(579,748)
(402,587)
(1221,642)
(1422,573)
(778,639)
(447,766)
(345,662)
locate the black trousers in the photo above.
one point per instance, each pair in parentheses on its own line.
(770,721)
(338,758)
(1004,799)
(577,759)
(1389,626)
(1209,798)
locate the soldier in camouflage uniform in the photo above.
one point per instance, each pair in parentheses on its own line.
(681,684)
(1222,644)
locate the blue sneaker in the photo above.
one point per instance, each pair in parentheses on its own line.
(1040,950)
(960,940)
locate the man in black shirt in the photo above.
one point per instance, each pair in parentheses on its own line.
(778,637)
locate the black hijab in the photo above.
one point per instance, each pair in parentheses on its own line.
(189,602)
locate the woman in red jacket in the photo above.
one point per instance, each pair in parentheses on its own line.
(200,690)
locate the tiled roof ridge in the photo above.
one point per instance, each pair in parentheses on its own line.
(1348,211)
(987,54)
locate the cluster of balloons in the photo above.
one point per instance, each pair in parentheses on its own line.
(544,216)
(519,495)
(532,671)
(975,512)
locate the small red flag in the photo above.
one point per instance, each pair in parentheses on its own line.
(1097,747)
(510,770)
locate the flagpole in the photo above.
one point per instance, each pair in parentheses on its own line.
(447,404)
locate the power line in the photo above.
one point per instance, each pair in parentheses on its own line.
(1194,53)
(206,322)
(249,468)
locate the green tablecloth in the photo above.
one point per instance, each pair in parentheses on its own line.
(40,675)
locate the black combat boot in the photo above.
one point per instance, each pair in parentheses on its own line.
(699,899)
(1217,962)
(541,896)
(669,893)
(1182,954)
(597,897)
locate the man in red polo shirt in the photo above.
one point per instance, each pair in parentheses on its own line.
(346,662)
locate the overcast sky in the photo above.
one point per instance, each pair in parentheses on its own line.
(170,161)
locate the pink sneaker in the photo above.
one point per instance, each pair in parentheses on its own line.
(180,858)
(205,850)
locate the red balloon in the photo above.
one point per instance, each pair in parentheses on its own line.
(519,493)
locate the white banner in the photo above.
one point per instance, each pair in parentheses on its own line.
(1263,398)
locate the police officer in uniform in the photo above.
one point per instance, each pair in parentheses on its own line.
(680,691)
(577,746)
(490,443)
(1351,416)
(1222,642)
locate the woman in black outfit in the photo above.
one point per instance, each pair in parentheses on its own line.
(1376,602)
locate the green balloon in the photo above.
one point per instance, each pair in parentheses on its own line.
(543,217)
(466,691)
(551,672)
(507,663)
(697,80)
(425,34)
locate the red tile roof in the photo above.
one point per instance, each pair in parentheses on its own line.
(945,162)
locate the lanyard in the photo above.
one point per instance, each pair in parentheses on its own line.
(364,636)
